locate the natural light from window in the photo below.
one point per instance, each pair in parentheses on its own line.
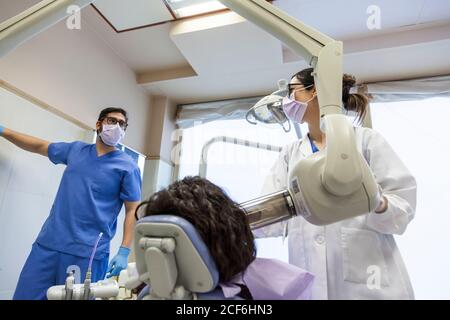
(418,132)
(188,8)
(239,170)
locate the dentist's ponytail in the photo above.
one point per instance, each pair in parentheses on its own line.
(356,102)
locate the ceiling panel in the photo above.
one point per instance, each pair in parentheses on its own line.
(378,65)
(143,50)
(404,62)
(130,14)
(226,86)
(435,10)
(343,19)
(228,47)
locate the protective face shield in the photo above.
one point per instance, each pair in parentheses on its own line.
(112,134)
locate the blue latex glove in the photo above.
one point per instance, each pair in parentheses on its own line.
(2,128)
(118,263)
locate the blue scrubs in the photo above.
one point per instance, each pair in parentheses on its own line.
(45,268)
(89,199)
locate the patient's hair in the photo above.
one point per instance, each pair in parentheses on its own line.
(356,102)
(221,223)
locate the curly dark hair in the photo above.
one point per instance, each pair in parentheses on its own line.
(221,223)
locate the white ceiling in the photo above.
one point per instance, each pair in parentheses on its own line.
(221,49)
(138,12)
(149,49)
(344,19)
(236,59)
(222,56)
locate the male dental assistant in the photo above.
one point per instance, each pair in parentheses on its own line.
(96,183)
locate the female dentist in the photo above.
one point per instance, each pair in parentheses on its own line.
(355,258)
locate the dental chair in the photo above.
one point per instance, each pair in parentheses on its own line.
(173,261)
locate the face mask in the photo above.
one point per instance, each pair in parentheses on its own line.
(295,110)
(112,134)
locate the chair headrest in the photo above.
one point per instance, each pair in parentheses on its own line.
(197,271)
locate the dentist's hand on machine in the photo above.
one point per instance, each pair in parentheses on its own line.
(382,202)
(119,262)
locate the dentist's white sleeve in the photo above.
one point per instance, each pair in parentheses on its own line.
(398,185)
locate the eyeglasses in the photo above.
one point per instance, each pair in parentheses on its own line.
(140,211)
(291,87)
(114,121)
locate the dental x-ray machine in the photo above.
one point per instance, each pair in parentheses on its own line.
(333,184)
(328,186)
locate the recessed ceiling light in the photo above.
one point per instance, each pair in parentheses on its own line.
(188,8)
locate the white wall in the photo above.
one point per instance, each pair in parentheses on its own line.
(162,126)
(158,172)
(77,73)
(28,182)
(157,175)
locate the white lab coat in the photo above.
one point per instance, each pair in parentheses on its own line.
(356,258)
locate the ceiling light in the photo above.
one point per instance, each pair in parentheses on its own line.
(189,8)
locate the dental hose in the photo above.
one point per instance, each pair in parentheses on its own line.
(94,250)
(87,281)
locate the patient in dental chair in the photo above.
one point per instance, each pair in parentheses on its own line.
(224,228)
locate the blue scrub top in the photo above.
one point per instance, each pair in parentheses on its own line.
(89,198)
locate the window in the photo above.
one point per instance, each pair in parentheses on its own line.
(239,170)
(418,132)
(138,158)
(191,8)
